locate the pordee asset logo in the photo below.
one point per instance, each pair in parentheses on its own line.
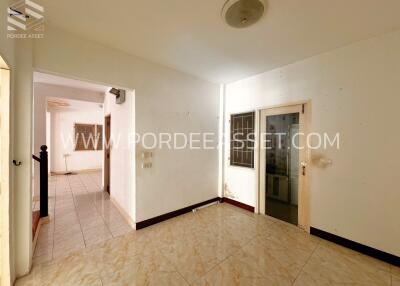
(25,19)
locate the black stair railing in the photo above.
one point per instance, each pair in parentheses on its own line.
(44,181)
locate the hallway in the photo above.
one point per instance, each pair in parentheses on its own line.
(81,215)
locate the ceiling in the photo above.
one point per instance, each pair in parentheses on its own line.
(3,64)
(189,35)
(63,81)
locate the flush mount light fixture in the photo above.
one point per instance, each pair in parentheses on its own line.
(243,13)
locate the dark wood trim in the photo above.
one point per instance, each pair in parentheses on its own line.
(375,253)
(158,219)
(35,223)
(238,204)
(107,153)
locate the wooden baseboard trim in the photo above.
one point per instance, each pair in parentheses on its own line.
(367,250)
(35,223)
(238,204)
(124,214)
(158,219)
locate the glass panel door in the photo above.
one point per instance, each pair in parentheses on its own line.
(282,167)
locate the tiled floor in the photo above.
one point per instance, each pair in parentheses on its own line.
(218,245)
(81,215)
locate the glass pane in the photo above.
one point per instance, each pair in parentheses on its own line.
(242,134)
(282,167)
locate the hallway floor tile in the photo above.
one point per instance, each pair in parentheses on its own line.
(79,217)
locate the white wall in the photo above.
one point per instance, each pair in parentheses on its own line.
(48,139)
(62,141)
(18,55)
(122,159)
(162,95)
(355,91)
(6,251)
(22,101)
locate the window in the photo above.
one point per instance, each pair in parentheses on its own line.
(242,140)
(88,137)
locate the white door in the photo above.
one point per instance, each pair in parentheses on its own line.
(283,162)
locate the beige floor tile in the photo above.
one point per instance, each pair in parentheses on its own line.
(118,230)
(46,233)
(395,280)
(75,269)
(67,232)
(91,222)
(65,250)
(78,217)
(88,242)
(237,271)
(271,258)
(43,249)
(329,265)
(42,258)
(65,221)
(96,235)
(143,270)
(395,271)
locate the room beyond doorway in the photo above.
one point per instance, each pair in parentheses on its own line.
(283,164)
(282,167)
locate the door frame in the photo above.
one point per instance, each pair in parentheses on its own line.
(107,160)
(6,172)
(304,156)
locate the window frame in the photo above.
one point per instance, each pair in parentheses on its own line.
(92,146)
(235,159)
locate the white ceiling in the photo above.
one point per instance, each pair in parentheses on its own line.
(3,64)
(189,35)
(63,81)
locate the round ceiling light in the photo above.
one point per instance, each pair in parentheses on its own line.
(243,13)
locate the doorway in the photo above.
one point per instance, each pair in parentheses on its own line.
(107,153)
(283,171)
(69,117)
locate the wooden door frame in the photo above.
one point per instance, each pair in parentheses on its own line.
(107,148)
(304,156)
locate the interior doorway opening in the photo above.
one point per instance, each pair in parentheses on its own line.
(70,118)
